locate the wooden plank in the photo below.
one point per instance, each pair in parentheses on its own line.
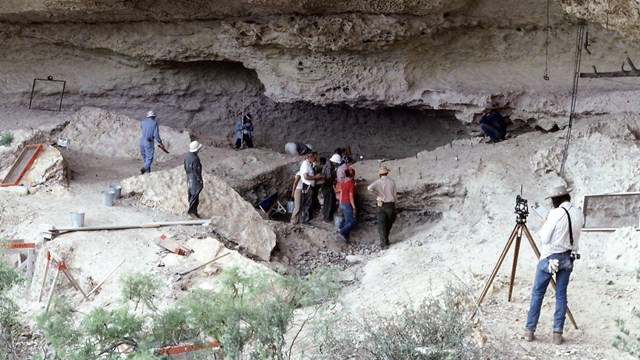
(17,245)
(172,245)
(179,349)
(22,164)
(59,231)
(202,265)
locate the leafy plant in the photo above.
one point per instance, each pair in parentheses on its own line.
(9,277)
(248,313)
(140,288)
(6,139)
(251,313)
(437,328)
(628,340)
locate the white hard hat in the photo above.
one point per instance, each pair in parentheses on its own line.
(151,114)
(194,146)
(335,158)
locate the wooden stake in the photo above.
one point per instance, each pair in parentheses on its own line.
(202,265)
(44,279)
(74,283)
(105,279)
(53,286)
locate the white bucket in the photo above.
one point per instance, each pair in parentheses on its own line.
(108,197)
(62,142)
(77,219)
(117,189)
(290,206)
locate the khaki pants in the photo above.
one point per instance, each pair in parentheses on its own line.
(297,201)
(386,217)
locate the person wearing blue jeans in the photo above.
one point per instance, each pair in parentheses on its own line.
(150,134)
(560,235)
(348,205)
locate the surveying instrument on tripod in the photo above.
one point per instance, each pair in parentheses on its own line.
(521,211)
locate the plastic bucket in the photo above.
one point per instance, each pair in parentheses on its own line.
(117,189)
(108,197)
(77,219)
(290,206)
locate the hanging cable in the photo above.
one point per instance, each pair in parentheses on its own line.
(574,92)
(608,7)
(546,45)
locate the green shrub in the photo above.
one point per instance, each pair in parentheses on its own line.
(6,139)
(140,288)
(628,340)
(9,277)
(248,314)
(438,328)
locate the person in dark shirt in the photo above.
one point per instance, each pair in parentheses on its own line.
(244,130)
(492,123)
(193,168)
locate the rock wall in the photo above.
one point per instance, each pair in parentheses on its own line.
(201,63)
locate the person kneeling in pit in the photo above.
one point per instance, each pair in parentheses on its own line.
(492,123)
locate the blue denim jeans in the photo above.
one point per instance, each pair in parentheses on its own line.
(349,219)
(540,284)
(493,132)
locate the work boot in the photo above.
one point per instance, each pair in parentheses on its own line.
(528,334)
(141,171)
(557,338)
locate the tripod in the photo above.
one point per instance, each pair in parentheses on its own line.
(516,234)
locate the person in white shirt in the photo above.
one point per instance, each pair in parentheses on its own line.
(560,237)
(308,178)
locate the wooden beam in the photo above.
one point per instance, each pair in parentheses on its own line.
(59,231)
(622,73)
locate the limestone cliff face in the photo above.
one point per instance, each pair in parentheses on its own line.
(201,63)
(622,16)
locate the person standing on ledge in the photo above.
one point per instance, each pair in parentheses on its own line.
(308,178)
(492,123)
(150,134)
(193,168)
(385,190)
(560,235)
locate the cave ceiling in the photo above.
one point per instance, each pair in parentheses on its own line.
(441,55)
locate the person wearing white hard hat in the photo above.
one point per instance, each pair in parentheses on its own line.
(150,134)
(328,192)
(193,168)
(560,235)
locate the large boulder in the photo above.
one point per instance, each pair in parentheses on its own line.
(231,216)
(105,133)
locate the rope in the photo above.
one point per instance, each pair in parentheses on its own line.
(608,8)
(574,92)
(546,45)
